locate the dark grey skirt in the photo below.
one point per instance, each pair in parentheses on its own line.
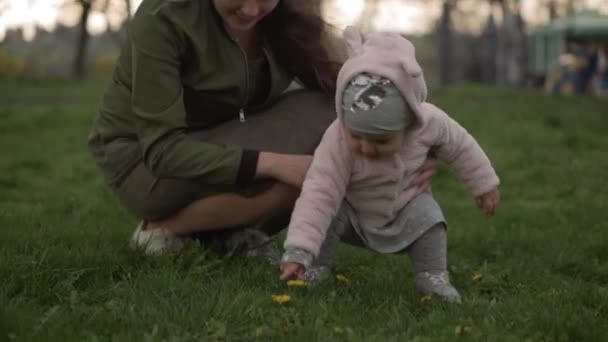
(418,216)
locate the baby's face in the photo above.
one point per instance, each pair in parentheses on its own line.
(374,146)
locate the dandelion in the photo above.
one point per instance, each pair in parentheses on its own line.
(425,299)
(281,299)
(477,277)
(343,280)
(297,283)
(462,330)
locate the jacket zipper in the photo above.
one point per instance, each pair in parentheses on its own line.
(242,117)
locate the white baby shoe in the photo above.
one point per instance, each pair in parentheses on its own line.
(317,274)
(438,284)
(155,241)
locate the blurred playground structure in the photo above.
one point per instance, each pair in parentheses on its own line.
(570,55)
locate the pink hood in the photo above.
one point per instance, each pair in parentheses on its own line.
(384,54)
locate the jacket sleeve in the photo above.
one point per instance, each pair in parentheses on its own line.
(461,152)
(322,193)
(157,48)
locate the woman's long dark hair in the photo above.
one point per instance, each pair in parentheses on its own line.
(296,38)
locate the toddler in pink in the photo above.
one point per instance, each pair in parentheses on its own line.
(359,186)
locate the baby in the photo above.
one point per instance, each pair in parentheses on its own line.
(359,186)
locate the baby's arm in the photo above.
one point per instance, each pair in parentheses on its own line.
(322,194)
(463,154)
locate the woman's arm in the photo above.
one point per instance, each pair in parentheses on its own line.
(287,168)
(156,50)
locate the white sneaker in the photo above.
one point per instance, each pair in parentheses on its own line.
(437,283)
(155,241)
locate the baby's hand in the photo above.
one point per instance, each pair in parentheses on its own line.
(291,270)
(488,202)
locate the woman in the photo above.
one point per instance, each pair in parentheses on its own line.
(196,132)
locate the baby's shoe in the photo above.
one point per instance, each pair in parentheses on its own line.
(317,274)
(254,243)
(155,241)
(437,283)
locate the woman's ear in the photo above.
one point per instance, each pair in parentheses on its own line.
(353,39)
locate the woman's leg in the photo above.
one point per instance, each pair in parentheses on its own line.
(229,210)
(294,124)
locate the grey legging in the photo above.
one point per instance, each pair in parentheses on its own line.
(428,253)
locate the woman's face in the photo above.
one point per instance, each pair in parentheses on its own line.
(243,15)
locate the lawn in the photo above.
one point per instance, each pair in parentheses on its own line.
(537,271)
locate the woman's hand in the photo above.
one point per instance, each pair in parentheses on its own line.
(287,168)
(425,174)
(291,271)
(488,202)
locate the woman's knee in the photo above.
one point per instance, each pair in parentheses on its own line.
(149,198)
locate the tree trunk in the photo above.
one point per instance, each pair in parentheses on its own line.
(83,39)
(128,8)
(445,32)
(490,48)
(552,10)
(368,14)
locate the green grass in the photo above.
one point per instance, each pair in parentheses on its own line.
(66,272)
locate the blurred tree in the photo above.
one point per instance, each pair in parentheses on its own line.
(445,42)
(83,38)
(103,6)
(128,9)
(490,44)
(366,19)
(511,43)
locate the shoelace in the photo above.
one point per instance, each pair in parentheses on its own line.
(436,279)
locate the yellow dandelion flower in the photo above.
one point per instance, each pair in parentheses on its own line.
(343,280)
(425,299)
(477,277)
(461,330)
(297,283)
(458,330)
(281,299)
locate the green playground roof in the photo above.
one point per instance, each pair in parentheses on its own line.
(585,24)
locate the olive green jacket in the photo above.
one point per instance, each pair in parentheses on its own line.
(178,72)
